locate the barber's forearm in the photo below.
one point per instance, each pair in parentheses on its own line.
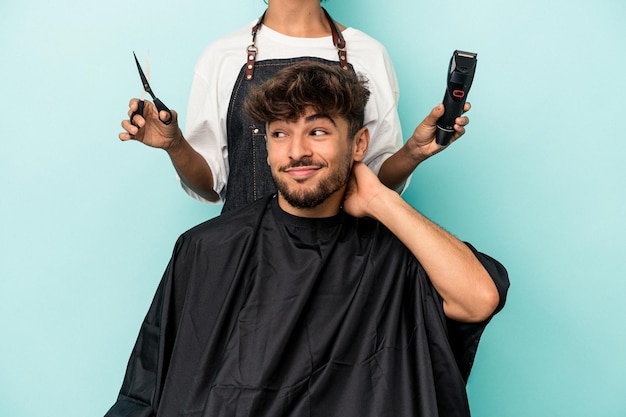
(193,169)
(398,167)
(468,291)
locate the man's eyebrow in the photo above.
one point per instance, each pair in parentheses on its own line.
(317,116)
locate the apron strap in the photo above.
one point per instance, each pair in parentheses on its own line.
(252,49)
(338,41)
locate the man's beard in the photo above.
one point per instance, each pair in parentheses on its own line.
(306,199)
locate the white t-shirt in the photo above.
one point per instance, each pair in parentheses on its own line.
(219,65)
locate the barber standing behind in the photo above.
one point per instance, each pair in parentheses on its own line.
(222,156)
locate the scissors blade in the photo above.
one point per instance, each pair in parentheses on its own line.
(147,73)
(144,80)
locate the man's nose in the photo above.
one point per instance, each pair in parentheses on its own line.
(299,147)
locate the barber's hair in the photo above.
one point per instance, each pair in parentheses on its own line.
(324,88)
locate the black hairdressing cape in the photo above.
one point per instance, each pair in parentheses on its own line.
(261,313)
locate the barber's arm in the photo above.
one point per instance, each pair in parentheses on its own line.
(151,131)
(420,146)
(466,287)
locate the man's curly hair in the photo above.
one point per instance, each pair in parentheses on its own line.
(327,89)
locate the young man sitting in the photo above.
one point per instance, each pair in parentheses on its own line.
(332,298)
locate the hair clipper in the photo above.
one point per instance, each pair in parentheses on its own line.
(460,76)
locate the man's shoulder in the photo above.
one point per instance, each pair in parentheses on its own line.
(244,220)
(382,238)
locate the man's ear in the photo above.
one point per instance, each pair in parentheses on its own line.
(361,142)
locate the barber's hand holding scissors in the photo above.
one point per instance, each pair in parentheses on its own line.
(155,125)
(151,123)
(148,125)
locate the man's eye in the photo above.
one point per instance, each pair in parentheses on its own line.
(278,134)
(318,132)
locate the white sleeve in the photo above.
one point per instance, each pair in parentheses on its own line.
(214,77)
(371,60)
(202,133)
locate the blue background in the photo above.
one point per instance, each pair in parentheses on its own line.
(87,223)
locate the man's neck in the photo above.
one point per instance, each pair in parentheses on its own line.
(297,18)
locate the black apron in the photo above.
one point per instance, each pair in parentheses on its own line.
(249,177)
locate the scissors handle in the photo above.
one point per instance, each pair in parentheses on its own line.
(159,105)
(139,111)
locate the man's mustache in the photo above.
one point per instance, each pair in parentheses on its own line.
(303,162)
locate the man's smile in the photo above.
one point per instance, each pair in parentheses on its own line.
(302,172)
(302,169)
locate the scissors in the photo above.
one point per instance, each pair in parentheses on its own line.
(158,103)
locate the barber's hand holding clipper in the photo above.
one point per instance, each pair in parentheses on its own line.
(460,77)
(424,135)
(446,122)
